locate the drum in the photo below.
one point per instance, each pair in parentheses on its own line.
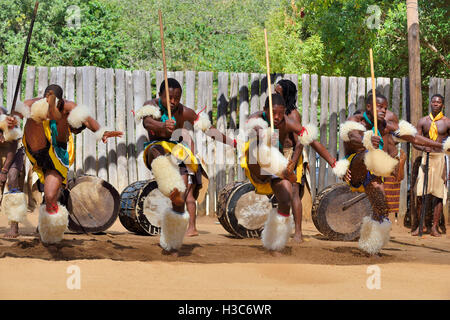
(92,202)
(241,211)
(337,212)
(141,207)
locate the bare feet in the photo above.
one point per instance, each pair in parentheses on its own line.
(275,253)
(415,232)
(191,232)
(175,197)
(434,232)
(13,232)
(298,237)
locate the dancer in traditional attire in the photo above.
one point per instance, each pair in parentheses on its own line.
(49,146)
(169,154)
(14,203)
(371,157)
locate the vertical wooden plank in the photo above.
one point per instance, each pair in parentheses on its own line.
(447,98)
(387,88)
(234,84)
(313,120)
(342,115)
(441,86)
(361,93)
(11,85)
(404,183)
(243,114)
(432,90)
(179,76)
(30,82)
(53,75)
(61,77)
(211,145)
(294,79)
(263,87)
(89,145)
(324,85)
(148,85)
(79,160)
(111,124)
(396,87)
(121,125)
(332,141)
(190,89)
(352,95)
(222,108)
(159,81)
(369,85)
(69,94)
(131,137)
(141,134)
(43,80)
(305,98)
(254,92)
(102,163)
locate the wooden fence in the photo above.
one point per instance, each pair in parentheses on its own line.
(113,94)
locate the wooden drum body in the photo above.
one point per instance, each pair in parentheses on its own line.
(337,212)
(241,211)
(141,207)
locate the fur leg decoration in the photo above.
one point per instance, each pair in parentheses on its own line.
(374,235)
(53,226)
(277,230)
(341,167)
(14,205)
(173,228)
(167,175)
(376,160)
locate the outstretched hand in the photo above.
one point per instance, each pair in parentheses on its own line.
(11,122)
(111,134)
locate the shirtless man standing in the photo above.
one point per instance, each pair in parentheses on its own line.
(436,127)
(49,146)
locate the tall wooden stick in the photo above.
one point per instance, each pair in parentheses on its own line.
(24,57)
(374,96)
(166,84)
(268,81)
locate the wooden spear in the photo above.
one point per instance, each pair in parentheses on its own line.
(374,96)
(169,111)
(269,89)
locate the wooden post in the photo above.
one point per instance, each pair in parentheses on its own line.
(412,17)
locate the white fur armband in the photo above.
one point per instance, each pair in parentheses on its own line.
(255,122)
(348,126)
(39,110)
(148,110)
(341,167)
(446,147)
(202,123)
(77,116)
(22,109)
(404,129)
(308,134)
(99,133)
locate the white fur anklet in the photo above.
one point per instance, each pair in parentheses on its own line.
(53,226)
(173,228)
(14,205)
(374,235)
(277,230)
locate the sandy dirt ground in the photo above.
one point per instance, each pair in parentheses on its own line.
(121,265)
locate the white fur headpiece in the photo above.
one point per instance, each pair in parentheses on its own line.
(39,110)
(309,134)
(202,123)
(348,126)
(77,116)
(148,110)
(404,129)
(376,160)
